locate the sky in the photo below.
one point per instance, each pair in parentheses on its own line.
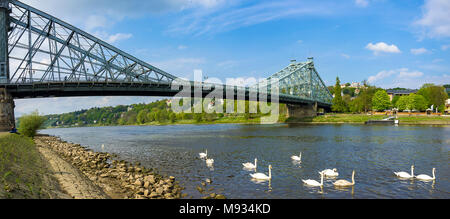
(389,43)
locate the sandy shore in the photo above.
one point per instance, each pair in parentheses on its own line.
(84,174)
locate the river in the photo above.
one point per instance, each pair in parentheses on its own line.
(374,152)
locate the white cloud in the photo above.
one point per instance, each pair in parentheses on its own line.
(114,38)
(95,21)
(182,47)
(419,51)
(403,77)
(381,75)
(445,47)
(236,14)
(435,20)
(405,73)
(382,47)
(90,15)
(362,3)
(118,37)
(345,56)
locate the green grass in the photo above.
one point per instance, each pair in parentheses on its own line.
(361,118)
(437,120)
(338,118)
(21,168)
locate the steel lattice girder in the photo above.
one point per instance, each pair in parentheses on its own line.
(301,79)
(43,48)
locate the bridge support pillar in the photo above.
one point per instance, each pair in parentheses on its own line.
(7,121)
(301,111)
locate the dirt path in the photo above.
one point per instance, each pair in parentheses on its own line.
(70,178)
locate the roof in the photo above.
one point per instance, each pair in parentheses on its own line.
(409,91)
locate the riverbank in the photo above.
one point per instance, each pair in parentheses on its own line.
(118,179)
(24,172)
(361,118)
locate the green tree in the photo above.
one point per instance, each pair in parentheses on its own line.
(381,101)
(417,102)
(366,94)
(29,124)
(338,103)
(402,103)
(142,117)
(435,95)
(172,117)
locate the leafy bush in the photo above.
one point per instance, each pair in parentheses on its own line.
(30,123)
(381,101)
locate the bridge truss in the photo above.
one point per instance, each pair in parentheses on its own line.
(49,57)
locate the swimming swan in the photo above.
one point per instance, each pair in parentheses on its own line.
(343,182)
(405,174)
(311,182)
(209,161)
(297,158)
(262,176)
(426,177)
(203,155)
(329,172)
(250,165)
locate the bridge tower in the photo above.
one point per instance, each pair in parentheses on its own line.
(7,121)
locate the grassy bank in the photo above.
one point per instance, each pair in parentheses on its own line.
(23,173)
(361,118)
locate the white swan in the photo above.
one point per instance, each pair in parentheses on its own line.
(297,158)
(249,165)
(311,182)
(330,172)
(203,155)
(262,176)
(405,174)
(426,177)
(209,161)
(343,182)
(103,146)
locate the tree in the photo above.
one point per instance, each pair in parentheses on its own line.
(381,101)
(142,117)
(402,103)
(366,95)
(172,117)
(435,95)
(417,102)
(412,102)
(338,103)
(30,123)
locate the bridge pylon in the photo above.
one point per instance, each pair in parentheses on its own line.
(7,121)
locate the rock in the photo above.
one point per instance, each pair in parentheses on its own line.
(168,196)
(150,179)
(138,183)
(146,184)
(208,181)
(146,192)
(159,190)
(212,195)
(153,195)
(220,197)
(200,189)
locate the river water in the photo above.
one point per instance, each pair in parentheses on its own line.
(374,152)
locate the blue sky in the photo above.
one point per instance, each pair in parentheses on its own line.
(389,43)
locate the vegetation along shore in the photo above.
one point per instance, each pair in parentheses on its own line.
(48,167)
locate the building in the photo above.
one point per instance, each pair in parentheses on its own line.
(352,85)
(393,93)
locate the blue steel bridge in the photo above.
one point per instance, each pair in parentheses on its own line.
(43,56)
